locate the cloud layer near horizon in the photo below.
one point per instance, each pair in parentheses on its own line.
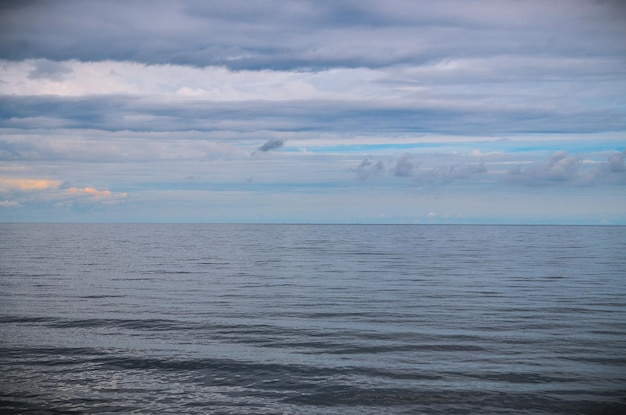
(219,111)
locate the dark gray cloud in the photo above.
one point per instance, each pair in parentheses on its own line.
(480,98)
(305,34)
(272,144)
(117,112)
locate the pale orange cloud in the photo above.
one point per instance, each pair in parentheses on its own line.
(88,191)
(20,191)
(27,185)
(94,195)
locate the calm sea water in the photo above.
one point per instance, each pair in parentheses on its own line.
(312,319)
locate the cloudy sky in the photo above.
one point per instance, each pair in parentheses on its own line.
(365,111)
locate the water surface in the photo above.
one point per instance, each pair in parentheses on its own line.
(312,319)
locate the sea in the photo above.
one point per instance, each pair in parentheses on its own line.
(312,319)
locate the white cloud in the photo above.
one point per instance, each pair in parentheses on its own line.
(211,83)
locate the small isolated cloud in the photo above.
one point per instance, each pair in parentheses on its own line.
(562,166)
(368,168)
(616,162)
(404,166)
(272,144)
(613,171)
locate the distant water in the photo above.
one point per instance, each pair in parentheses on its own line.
(312,319)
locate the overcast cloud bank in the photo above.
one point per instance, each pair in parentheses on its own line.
(402,111)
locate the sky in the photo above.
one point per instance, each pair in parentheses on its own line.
(313,111)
